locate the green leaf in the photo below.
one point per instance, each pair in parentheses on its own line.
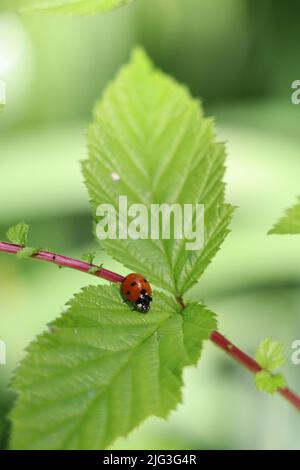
(103,368)
(74,7)
(266,382)
(27,252)
(198,323)
(270,354)
(150,142)
(289,223)
(88,257)
(18,234)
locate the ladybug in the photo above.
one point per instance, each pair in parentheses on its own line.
(136,289)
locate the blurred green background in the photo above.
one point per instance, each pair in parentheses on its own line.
(240,57)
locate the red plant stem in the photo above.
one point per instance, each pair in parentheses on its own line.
(250,364)
(216,337)
(64,261)
(235,352)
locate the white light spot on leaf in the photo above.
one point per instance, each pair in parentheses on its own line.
(115,177)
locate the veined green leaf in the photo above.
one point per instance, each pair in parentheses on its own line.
(267,382)
(150,142)
(103,369)
(18,234)
(74,7)
(270,354)
(289,223)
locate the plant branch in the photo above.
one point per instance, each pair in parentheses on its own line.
(216,337)
(64,261)
(250,364)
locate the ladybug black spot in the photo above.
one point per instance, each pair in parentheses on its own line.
(133,284)
(128,292)
(145,280)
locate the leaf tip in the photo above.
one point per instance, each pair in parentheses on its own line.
(140,58)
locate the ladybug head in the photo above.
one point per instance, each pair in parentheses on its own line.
(142,304)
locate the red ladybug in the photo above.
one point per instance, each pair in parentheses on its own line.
(137,289)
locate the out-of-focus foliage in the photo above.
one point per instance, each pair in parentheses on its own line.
(73,7)
(290,222)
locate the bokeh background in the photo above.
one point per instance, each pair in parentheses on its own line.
(240,57)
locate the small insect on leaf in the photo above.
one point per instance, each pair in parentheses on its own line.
(106,369)
(102,370)
(18,234)
(136,289)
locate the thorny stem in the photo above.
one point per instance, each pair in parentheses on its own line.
(216,337)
